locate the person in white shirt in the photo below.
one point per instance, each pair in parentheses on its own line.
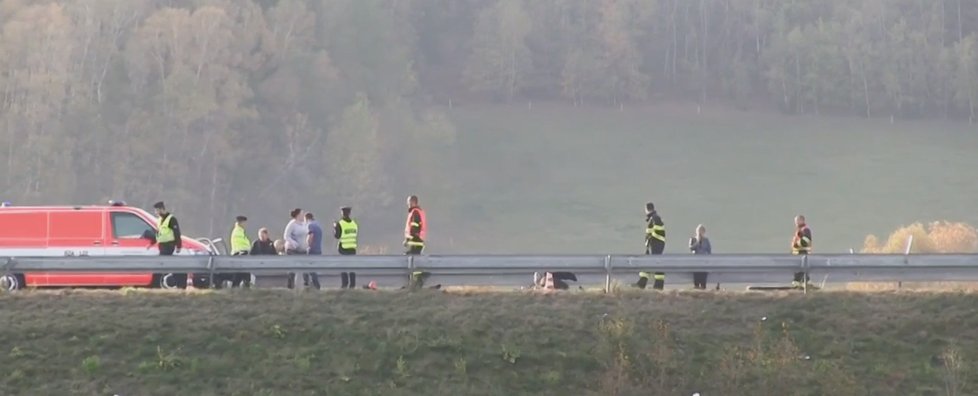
(295,238)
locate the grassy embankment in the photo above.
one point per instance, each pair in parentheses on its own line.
(262,342)
(560,179)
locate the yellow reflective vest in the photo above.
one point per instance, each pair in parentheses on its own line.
(348,234)
(164,233)
(239,240)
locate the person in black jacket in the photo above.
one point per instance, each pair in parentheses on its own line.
(346,231)
(168,236)
(655,243)
(263,245)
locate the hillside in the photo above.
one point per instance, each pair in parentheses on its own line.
(563,179)
(262,342)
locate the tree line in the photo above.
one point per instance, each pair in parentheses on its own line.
(894,58)
(238,106)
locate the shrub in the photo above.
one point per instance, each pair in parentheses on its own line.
(936,237)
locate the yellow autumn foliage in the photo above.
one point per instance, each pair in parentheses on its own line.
(936,237)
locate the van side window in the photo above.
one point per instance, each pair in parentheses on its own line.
(128,226)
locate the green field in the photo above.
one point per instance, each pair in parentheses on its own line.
(262,342)
(559,179)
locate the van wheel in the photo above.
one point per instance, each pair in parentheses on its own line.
(11,282)
(169,281)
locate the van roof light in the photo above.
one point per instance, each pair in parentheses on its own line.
(113,202)
(5,204)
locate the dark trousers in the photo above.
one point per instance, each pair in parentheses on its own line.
(417,277)
(654,246)
(699,280)
(311,277)
(801,277)
(349,279)
(241,278)
(307,278)
(414,250)
(167,248)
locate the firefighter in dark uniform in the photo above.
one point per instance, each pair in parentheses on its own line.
(801,245)
(415,235)
(655,243)
(346,232)
(415,227)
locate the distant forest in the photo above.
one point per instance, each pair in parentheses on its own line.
(231,106)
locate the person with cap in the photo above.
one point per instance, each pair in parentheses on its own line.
(346,232)
(655,243)
(240,246)
(168,236)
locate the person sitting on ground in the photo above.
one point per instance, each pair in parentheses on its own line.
(553,280)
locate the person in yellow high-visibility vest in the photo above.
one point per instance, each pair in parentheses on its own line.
(240,246)
(169,239)
(168,236)
(346,231)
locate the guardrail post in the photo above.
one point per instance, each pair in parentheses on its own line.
(210,270)
(8,264)
(5,273)
(607,274)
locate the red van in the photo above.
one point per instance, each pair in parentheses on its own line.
(112,230)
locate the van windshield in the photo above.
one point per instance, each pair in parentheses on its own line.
(129,226)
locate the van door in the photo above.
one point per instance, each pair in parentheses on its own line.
(71,233)
(126,235)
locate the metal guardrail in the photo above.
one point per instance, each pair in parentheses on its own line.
(515,270)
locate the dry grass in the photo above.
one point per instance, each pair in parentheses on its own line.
(912,286)
(264,342)
(936,237)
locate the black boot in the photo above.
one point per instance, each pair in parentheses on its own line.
(642,282)
(344,280)
(659,283)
